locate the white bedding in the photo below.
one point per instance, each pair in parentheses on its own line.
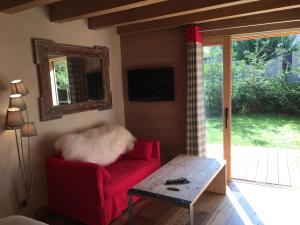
(19,220)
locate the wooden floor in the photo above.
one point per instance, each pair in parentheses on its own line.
(264,165)
(244,203)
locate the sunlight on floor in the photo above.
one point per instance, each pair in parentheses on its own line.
(238,207)
(272,205)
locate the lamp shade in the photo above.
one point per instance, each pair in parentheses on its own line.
(14,118)
(18,87)
(28,130)
(16,101)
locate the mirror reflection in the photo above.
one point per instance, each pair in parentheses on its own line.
(75,79)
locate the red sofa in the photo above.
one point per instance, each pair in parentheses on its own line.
(93,194)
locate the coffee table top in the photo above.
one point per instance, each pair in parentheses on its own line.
(200,171)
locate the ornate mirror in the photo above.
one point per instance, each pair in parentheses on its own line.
(72,78)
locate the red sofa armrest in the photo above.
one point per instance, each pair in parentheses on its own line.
(156,150)
(73,186)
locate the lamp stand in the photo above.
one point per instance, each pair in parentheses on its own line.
(22,166)
(29,167)
(15,120)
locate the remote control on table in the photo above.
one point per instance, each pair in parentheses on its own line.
(181,180)
(173,189)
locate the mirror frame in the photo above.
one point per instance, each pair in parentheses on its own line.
(42,49)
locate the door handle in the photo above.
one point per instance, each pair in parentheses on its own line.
(226,117)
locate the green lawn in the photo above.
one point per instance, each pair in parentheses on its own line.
(259,129)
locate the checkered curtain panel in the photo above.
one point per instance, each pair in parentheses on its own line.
(195,141)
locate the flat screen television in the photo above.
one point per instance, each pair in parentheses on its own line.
(154,84)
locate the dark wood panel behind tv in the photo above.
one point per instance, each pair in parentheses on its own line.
(163,120)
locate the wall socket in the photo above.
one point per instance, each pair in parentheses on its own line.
(23,204)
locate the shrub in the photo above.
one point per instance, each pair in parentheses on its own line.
(266,95)
(252,90)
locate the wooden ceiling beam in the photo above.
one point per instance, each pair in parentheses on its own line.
(253,8)
(159,11)
(89,8)
(248,21)
(288,27)
(9,6)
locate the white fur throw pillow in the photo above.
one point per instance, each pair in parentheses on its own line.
(102,145)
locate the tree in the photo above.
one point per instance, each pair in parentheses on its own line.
(282,46)
(248,88)
(213,71)
(285,49)
(252,89)
(61,72)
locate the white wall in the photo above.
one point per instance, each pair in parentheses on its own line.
(16,61)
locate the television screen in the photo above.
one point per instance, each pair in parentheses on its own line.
(151,84)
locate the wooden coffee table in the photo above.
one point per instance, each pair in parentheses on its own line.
(204,174)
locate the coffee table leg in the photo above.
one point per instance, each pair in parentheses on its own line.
(191,215)
(130,216)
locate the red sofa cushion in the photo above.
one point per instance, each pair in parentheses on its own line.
(127,173)
(142,150)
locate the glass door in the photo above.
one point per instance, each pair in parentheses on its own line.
(213,83)
(266,110)
(217,80)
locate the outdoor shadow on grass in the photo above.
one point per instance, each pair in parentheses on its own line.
(266,130)
(258,129)
(252,134)
(249,133)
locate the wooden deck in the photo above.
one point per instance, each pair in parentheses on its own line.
(264,165)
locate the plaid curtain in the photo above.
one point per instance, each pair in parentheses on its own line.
(195,141)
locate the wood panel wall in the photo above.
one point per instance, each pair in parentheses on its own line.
(160,120)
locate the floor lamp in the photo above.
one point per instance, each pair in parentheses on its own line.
(15,121)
